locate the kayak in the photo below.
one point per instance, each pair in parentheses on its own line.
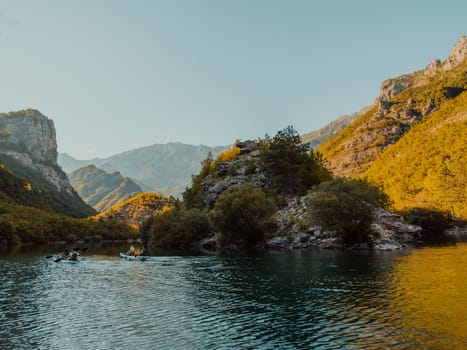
(58,258)
(133,257)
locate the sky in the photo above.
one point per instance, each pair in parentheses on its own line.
(118,75)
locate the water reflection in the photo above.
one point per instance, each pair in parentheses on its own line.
(319,300)
(428,295)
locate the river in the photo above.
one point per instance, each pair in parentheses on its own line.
(310,300)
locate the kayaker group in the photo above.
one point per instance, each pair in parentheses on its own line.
(70,255)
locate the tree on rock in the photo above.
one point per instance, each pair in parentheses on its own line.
(292,165)
(347,207)
(240,214)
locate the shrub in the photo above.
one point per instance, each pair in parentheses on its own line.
(178,228)
(433,224)
(347,207)
(241,213)
(228,154)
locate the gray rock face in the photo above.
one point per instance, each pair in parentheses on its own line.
(31,132)
(236,172)
(390,88)
(30,138)
(457,55)
(28,147)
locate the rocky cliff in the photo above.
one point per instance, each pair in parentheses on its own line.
(403,102)
(100,189)
(28,147)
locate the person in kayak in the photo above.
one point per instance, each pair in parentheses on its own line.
(64,254)
(142,252)
(73,255)
(131,251)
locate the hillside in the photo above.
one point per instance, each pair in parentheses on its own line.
(428,166)
(21,220)
(100,189)
(28,148)
(136,210)
(317,137)
(403,102)
(164,168)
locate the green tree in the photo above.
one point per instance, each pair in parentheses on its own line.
(347,207)
(241,213)
(292,165)
(193,197)
(178,228)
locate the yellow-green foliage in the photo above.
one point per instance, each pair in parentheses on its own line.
(137,208)
(426,90)
(228,154)
(27,224)
(427,167)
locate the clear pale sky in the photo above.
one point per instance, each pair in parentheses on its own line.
(116,75)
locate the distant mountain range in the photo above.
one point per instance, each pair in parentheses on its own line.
(162,168)
(317,137)
(100,189)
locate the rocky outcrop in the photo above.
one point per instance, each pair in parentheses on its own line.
(457,55)
(244,168)
(28,147)
(295,231)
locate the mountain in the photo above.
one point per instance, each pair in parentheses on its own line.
(137,209)
(28,149)
(164,168)
(100,189)
(317,137)
(403,102)
(21,220)
(412,141)
(68,163)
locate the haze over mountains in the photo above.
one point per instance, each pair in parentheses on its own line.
(162,168)
(100,189)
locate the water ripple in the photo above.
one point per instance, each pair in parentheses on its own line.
(321,300)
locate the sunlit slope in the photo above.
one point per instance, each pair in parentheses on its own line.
(137,209)
(352,151)
(428,166)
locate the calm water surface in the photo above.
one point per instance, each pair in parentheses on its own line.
(315,300)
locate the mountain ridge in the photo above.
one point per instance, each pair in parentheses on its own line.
(100,189)
(163,168)
(403,102)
